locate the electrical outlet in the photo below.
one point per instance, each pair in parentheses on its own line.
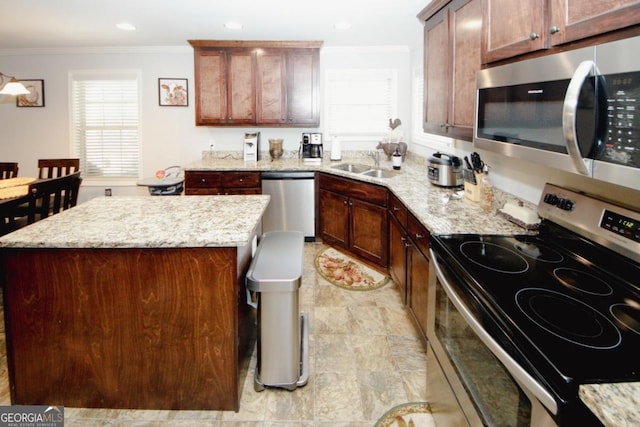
(107,192)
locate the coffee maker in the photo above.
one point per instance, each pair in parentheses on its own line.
(252,146)
(311,148)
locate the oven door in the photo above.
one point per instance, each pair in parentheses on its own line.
(486,391)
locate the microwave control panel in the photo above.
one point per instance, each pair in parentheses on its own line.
(623,119)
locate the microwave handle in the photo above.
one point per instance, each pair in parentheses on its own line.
(569,110)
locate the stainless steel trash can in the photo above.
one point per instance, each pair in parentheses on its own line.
(275,275)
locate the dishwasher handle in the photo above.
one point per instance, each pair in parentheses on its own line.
(288,175)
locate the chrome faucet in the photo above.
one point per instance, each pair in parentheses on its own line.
(376,157)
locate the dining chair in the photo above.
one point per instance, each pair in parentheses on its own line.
(51,196)
(55,168)
(8,170)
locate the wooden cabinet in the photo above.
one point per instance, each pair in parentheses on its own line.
(398,243)
(217,183)
(515,28)
(353,216)
(452,46)
(225,87)
(288,87)
(249,83)
(418,272)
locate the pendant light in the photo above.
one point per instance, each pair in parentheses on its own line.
(12,87)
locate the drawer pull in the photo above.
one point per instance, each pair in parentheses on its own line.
(419,236)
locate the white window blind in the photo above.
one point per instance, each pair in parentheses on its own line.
(360,102)
(418,135)
(105,125)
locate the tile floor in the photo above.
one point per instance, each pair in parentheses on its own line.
(365,358)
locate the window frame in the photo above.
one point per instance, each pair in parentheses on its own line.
(116,74)
(346,75)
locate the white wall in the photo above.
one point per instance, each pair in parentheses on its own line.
(168,134)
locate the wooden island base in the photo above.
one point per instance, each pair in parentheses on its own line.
(127,328)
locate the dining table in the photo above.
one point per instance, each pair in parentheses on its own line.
(13,192)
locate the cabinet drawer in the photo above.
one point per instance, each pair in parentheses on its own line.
(398,210)
(418,234)
(352,188)
(202,179)
(240,179)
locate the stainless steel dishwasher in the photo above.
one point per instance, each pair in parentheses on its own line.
(292,205)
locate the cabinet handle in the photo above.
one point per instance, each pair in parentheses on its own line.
(203,180)
(241,179)
(419,236)
(554,29)
(534,36)
(396,209)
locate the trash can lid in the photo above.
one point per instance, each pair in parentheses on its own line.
(277,263)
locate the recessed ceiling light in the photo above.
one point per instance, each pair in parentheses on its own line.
(233,25)
(342,25)
(125,26)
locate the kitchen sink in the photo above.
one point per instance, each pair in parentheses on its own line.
(365,170)
(379,173)
(352,167)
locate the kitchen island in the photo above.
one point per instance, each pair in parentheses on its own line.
(131,302)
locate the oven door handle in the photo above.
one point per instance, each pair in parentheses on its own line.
(520,375)
(569,117)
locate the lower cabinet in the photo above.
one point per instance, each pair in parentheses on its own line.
(409,260)
(211,183)
(353,216)
(398,244)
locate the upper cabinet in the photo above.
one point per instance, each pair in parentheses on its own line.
(257,83)
(451,58)
(514,28)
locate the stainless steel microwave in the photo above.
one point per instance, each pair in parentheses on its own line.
(578,111)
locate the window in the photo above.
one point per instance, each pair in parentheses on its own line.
(360,102)
(418,135)
(105,114)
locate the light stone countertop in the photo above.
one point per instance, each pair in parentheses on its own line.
(147,222)
(410,185)
(614,404)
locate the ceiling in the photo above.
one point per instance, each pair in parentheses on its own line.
(26,24)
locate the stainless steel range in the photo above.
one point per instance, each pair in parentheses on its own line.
(518,323)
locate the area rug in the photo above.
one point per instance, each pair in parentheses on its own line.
(417,414)
(348,273)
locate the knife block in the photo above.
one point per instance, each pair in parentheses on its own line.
(472,191)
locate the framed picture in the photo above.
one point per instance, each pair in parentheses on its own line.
(35,97)
(173,92)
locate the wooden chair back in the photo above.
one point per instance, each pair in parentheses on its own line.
(51,196)
(55,168)
(8,170)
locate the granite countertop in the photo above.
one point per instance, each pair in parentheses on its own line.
(410,185)
(147,222)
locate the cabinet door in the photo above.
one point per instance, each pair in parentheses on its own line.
(241,87)
(451,58)
(211,86)
(272,87)
(398,256)
(418,280)
(436,73)
(466,20)
(368,231)
(577,19)
(334,218)
(303,83)
(513,28)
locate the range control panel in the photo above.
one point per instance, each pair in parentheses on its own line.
(615,227)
